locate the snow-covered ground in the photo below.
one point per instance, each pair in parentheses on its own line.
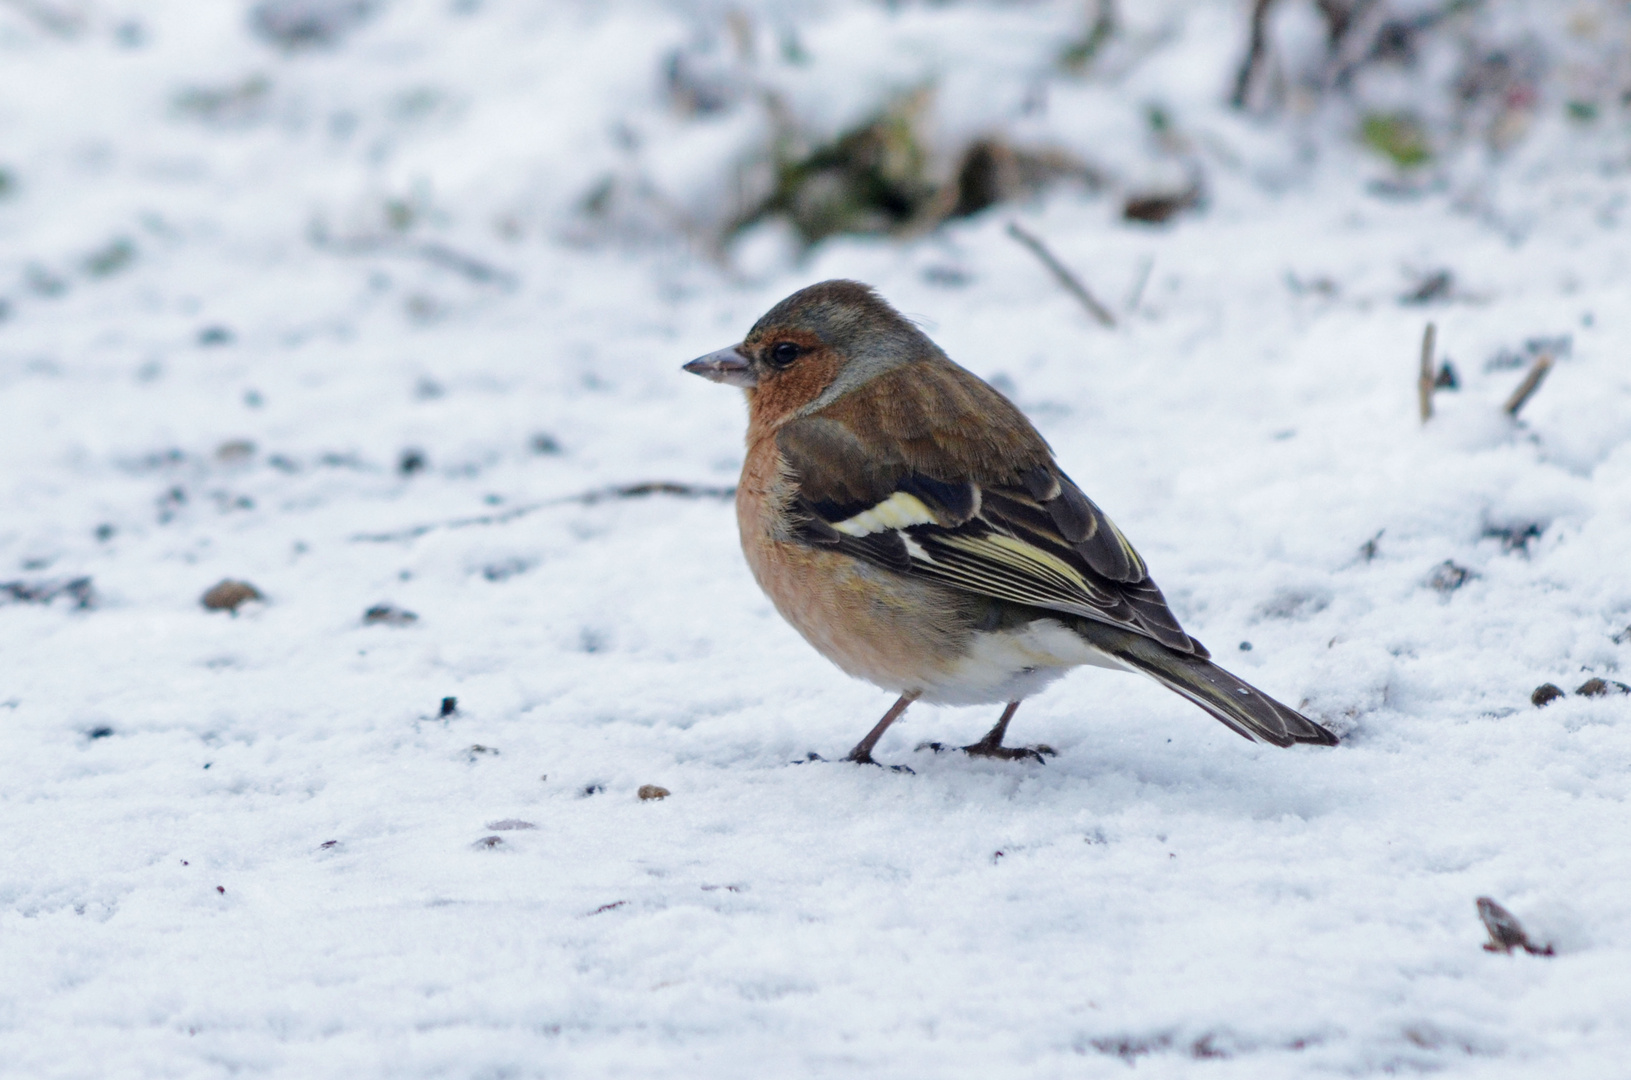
(270,311)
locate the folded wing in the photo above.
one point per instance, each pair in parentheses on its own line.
(1031,537)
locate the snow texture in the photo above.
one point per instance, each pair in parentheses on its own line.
(274,303)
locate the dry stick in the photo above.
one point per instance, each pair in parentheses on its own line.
(585,498)
(1256,54)
(1531,383)
(1424,381)
(434,252)
(1063,274)
(1137,295)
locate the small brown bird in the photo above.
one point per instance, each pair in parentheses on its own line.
(909,521)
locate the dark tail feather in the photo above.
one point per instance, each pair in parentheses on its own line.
(1241,707)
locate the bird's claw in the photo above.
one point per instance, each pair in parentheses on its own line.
(867,759)
(1038,753)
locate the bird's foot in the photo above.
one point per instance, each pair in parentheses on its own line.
(861,757)
(986,748)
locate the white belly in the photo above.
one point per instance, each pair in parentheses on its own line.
(1010,665)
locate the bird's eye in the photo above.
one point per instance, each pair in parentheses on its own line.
(784,353)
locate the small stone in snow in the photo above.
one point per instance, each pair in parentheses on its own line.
(652,791)
(1447,577)
(1435,286)
(450,705)
(488,842)
(229,595)
(388,615)
(1545,694)
(299,24)
(235,450)
(1598,688)
(1159,207)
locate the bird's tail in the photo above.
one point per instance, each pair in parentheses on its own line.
(1241,707)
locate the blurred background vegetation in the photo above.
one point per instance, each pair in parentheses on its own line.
(1438,94)
(748,132)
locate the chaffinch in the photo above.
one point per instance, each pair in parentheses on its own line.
(909,521)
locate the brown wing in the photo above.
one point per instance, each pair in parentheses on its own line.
(903,484)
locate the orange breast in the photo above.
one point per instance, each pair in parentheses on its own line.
(890,630)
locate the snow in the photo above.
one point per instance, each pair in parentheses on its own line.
(251,844)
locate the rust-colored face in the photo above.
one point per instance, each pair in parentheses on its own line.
(794,366)
(782,369)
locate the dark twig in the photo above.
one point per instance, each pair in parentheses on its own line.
(78,590)
(1352,29)
(1424,380)
(1080,55)
(1256,54)
(468,266)
(1061,272)
(586,498)
(432,251)
(1531,383)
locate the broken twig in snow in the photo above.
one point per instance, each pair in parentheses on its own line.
(1256,56)
(1531,383)
(1505,931)
(1061,272)
(1424,380)
(585,498)
(434,252)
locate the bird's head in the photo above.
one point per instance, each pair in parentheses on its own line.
(814,347)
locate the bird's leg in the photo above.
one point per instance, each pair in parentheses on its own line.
(863,749)
(991,745)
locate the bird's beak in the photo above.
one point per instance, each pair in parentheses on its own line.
(725,366)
